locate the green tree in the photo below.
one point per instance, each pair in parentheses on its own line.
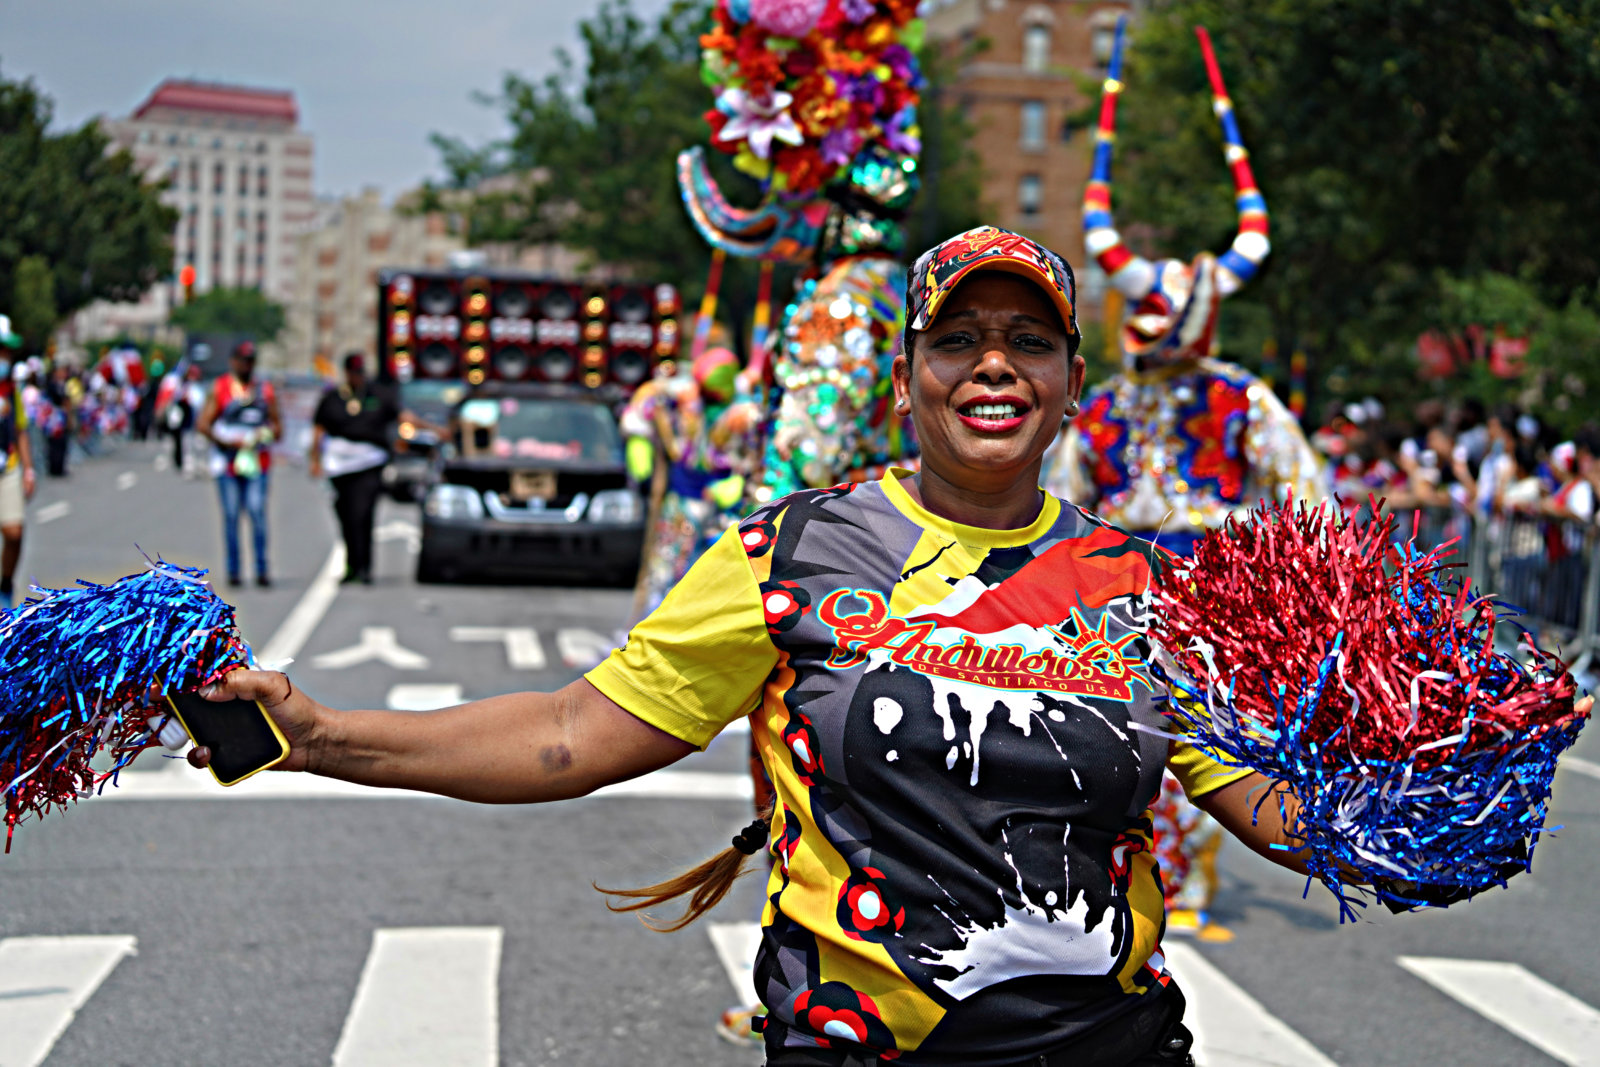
(590,162)
(85,213)
(231,311)
(33,302)
(1399,143)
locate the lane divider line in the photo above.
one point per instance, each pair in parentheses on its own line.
(51,512)
(296,629)
(178,781)
(1581,766)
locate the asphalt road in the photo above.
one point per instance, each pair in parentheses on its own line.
(283,928)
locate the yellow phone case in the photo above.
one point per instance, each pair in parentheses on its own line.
(283,742)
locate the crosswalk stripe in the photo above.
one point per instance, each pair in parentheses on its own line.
(43,983)
(427,996)
(1230,1026)
(1581,766)
(178,781)
(736,945)
(422,697)
(1550,1019)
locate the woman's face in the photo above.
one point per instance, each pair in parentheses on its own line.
(989,382)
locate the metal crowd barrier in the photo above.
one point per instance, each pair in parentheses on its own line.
(1547,568)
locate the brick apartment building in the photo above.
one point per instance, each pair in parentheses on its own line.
(239,170)
(1019,93)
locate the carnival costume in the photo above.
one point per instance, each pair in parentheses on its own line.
(1179,442)
(817,100)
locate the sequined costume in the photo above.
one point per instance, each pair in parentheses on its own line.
(832,420)
(822,110)
(1182,448)
(1178,442)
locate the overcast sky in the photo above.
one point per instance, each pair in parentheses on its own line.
(372,77)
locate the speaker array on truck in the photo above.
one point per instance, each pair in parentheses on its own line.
(483,326)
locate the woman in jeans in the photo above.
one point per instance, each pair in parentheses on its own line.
(241,420)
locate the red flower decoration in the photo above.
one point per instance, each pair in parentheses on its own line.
(835,1014)
(757,538)
(800,737)
(783,604)
(865,911)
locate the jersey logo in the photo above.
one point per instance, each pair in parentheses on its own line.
(1074,657)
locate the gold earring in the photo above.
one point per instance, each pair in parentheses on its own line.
(1072,407)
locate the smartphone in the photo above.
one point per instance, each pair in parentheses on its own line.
(242,737)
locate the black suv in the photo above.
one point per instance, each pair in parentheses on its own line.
(532,484)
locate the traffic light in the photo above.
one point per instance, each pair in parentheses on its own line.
(186,281)
(508,326)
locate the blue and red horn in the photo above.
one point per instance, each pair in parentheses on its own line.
(1132,274)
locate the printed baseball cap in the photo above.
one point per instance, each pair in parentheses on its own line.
(941,268)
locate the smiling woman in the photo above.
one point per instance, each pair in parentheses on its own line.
(950,684)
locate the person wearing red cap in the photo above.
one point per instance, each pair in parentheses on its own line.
(947,679)
(241,420)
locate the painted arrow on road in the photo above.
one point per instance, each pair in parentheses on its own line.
(377,642)
(523,649)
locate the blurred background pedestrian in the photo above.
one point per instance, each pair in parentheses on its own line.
(350,444)
(241,420)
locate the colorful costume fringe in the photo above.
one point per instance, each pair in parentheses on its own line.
(817,100)
(1365,677)
(77,670)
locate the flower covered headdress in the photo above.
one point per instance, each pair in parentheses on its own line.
(815,99)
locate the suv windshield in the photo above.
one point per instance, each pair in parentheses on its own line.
(542,428)
(425,396)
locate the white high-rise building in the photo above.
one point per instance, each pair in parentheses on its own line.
(239,171)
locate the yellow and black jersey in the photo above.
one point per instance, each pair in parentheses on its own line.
(951,719)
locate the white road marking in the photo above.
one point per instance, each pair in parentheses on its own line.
(581,649)
(43,983)
(424,697)
(427,996)
(1580,766)
(163,462)
(127,480)
(399,530)
(736,947)
(1230,1026)
(51,512)
(1507,994)
(293,632)
(176,780)
(377,642)
(524,652)
(684,785)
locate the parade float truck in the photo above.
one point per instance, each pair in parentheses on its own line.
(511,383)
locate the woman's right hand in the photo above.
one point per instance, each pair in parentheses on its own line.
(296,714)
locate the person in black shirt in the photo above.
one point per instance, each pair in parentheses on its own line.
(350,444)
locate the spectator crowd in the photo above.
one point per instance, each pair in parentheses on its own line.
(1499,479)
